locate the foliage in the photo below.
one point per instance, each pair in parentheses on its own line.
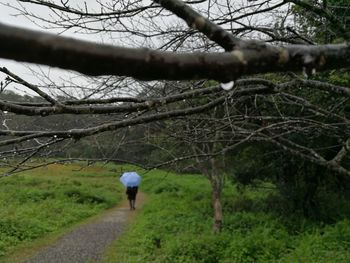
(175,226)
(316,26)
(304,188)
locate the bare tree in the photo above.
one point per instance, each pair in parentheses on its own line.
(160,46)
(256,111)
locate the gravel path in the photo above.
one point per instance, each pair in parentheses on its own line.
(87,243)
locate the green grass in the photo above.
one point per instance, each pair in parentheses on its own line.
(175,226)
(48,200)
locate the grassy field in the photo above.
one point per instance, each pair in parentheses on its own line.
(174,226)
(46,201)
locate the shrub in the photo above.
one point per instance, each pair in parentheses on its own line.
(197,248)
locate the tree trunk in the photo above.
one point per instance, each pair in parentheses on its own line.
(216,184)
(217,210)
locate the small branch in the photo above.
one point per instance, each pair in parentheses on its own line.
(197,21)
(342,153)
(18,165)
(30,86)
(79,133)
(341,90)
(145,103)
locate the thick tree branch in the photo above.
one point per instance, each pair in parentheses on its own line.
(36,47)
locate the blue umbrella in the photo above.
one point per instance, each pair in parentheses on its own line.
(130,179)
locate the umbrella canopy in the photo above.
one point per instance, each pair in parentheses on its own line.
(130,179)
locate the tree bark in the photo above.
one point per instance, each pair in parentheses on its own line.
(145,64)
(216,184)
(217,209)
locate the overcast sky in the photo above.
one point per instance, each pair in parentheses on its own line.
(8,16)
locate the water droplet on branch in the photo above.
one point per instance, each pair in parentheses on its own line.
(227,85)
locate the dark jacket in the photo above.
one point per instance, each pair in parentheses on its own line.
(131,192)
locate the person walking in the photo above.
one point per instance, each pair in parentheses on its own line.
(131,192)
(131,180)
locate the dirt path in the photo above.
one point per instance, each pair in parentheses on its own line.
(87,242)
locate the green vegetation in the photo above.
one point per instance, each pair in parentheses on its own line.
(176,226)
(51,199)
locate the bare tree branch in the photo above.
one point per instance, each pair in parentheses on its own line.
(36,47)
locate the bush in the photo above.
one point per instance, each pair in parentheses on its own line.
(198,248)
(260,244)
(15,230)
(330,244)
